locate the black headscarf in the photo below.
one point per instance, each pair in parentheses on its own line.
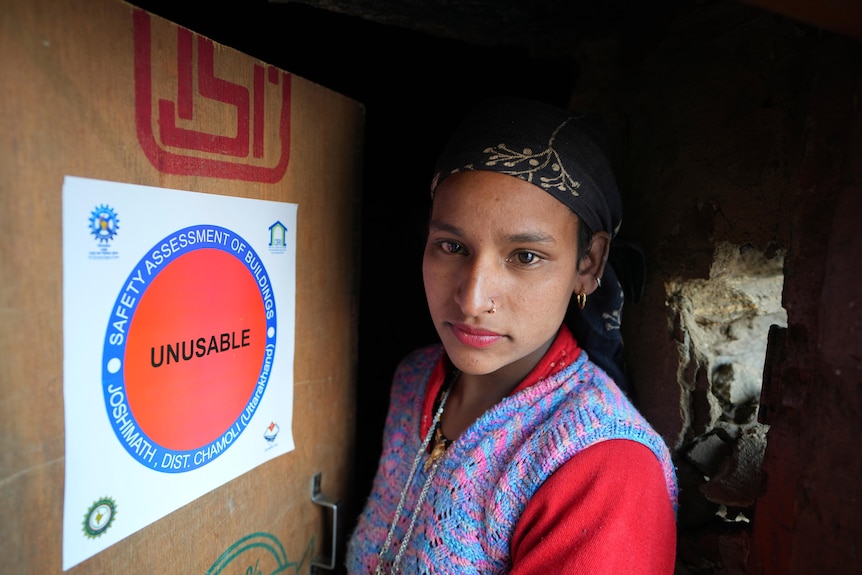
(563,152)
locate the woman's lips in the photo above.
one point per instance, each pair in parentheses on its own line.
(473,336)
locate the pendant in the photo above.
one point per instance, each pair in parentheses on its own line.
(440,446)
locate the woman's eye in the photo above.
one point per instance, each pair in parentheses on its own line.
(526,258)
(451,247)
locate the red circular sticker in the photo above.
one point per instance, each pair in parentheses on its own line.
(194,349)
(189,349)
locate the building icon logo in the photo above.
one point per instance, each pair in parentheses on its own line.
(277,237)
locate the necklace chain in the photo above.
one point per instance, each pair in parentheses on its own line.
(398,510)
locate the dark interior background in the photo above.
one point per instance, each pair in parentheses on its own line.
(737,121)
(414,87)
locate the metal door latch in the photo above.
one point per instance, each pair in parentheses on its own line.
(317,498)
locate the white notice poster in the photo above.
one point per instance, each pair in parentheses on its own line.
(178,323)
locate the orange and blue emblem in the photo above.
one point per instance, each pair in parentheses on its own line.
(104,224)
(189,348)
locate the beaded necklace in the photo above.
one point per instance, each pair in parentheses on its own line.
(434,462)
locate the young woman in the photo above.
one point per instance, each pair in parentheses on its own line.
(509,447)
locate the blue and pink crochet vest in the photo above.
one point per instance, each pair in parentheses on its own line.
(488,475)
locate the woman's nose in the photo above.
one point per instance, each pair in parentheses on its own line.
(475,290)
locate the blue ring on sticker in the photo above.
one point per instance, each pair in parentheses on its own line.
(129,433)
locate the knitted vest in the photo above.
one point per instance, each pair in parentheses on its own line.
(488,475)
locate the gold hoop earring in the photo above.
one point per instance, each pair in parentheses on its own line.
(582,299)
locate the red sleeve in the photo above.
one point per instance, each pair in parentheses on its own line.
(606,511)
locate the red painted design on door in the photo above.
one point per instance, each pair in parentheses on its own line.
(173,146)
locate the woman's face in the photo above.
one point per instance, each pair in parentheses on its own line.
(495,237)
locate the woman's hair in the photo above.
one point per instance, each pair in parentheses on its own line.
(585,239)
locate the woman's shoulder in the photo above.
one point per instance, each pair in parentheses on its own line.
(411,376)
(419,361)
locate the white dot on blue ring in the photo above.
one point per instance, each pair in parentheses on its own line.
(114,365)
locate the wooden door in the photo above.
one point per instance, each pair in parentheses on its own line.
(80,91)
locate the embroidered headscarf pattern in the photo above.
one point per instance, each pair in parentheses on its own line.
(561,151)
(537,163)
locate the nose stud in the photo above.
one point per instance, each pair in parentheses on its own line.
(493,307)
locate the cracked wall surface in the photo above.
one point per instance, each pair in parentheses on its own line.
(723,325)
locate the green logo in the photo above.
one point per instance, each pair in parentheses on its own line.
(99,517)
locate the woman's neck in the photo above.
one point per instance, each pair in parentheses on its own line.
(472,395)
